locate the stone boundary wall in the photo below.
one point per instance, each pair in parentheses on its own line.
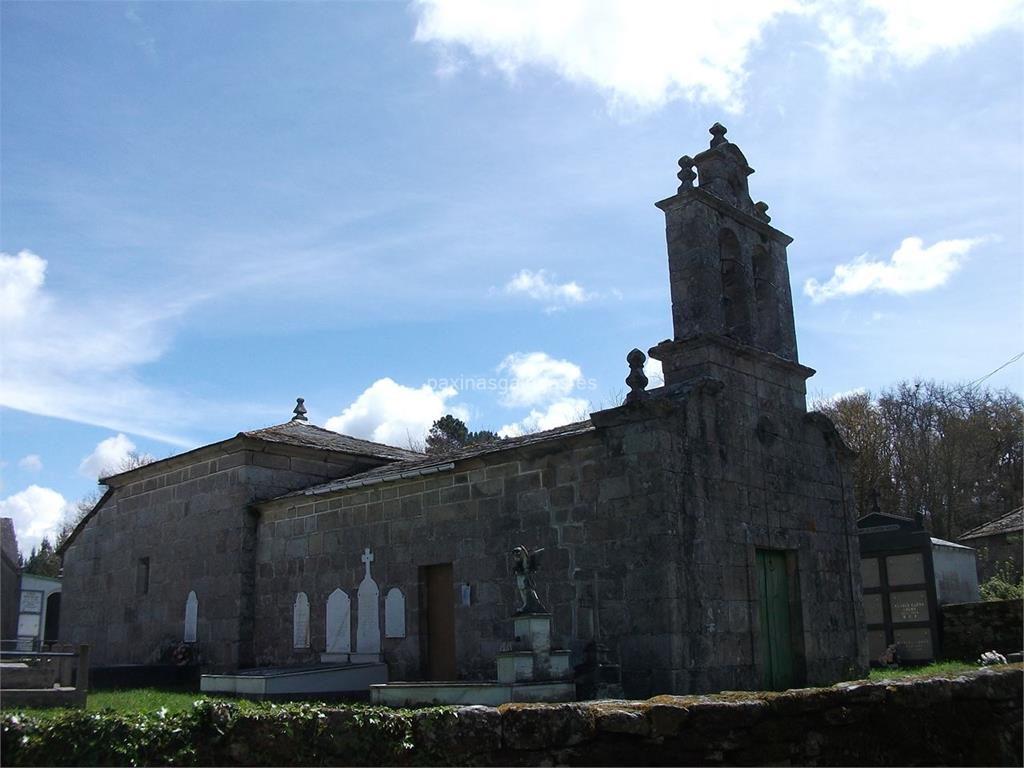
(970,719)
(970,629)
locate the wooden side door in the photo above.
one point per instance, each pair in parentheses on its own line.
(440,622)
(776,636)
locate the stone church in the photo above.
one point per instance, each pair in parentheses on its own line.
(703,532)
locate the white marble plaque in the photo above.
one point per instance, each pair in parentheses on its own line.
(28,625)
(394,613)
(873,610)
(191,617)
(368,620)
(913,644)
(339,622)
(905,569)
(31,601)
(908,606)
(869,572)
(300,621)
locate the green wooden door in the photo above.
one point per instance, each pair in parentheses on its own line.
(776,642)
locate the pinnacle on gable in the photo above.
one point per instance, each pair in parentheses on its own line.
(300,410)
(718,132)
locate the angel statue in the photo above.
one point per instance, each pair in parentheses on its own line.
(524,565)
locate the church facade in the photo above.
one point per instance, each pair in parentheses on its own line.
(703,532)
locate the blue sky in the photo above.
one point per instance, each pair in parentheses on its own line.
(209,209)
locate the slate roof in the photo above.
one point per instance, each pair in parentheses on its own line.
(438,462)
(1011,522)
(302,433)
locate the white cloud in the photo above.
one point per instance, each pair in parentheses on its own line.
(646,54)
(37,512)
(536,377)
(30,463)
(907,32)
(77,360)
(391,413)
(107,458)
(640,53)
(541,286)
(911,269)
(565,410)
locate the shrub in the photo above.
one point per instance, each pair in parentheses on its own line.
(1001,585)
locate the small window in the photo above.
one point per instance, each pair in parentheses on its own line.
(142,576)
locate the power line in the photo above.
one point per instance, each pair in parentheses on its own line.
(976,382)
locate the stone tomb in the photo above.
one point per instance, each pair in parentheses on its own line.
(341,673)
(191,617)
(339,628)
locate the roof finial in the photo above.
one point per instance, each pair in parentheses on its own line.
(717,132)
(686,174)
(300,410)
(636,380)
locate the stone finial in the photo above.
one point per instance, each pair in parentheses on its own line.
(686,173)
(761,211)
(636,380)
(717,132)
(300,410)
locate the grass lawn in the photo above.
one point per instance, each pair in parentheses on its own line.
(142,700)
(133,700)
(928,670)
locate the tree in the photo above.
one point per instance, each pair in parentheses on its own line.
(450,433)
(955,454)
(44,561)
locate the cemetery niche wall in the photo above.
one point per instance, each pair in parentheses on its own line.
(907,576)
(701,536)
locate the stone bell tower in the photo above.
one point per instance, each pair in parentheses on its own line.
(731,296)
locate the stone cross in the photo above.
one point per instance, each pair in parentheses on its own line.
(367,558)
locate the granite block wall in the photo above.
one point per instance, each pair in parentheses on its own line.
(663,507)
(191,520)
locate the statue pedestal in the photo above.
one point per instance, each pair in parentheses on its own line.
(529,658)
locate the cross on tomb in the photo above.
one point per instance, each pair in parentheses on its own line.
(367,558)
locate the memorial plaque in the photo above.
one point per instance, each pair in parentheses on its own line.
(28,625)
(873,609)
(876,643)
(905,569)
(300,621)
(191,617)
(869,572)
(908,606)
(914,644)
(31,601)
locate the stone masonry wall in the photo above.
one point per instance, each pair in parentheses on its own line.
(193,524)
(970,629)
(666,504)
(471,517)
(971,719)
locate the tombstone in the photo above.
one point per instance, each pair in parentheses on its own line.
(191,617)
(300,621)
(394,613)
(368,620)
(339,627)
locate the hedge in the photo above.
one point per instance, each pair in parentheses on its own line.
(212,733)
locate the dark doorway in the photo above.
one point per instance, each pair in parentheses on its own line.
(776,635)
(439,622)
(51,629)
